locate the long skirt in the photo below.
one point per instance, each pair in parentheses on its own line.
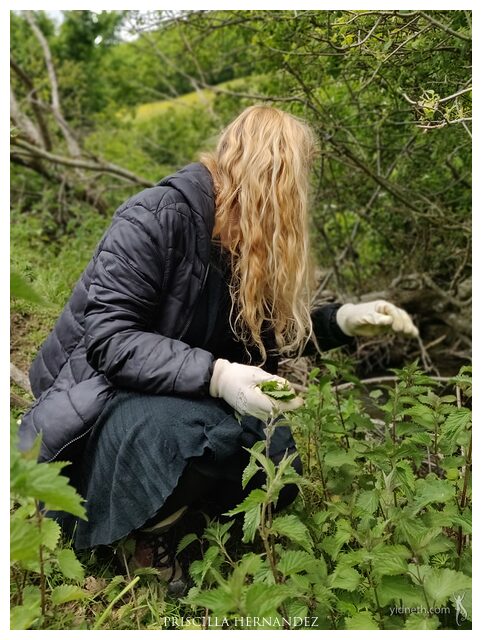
(141,448)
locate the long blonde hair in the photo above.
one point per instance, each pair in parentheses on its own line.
(260,169)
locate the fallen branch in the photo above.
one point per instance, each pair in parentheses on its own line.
(20,378)
(367,381)
(102,167)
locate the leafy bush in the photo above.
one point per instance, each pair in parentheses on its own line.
(378,539)
(34,538)
(381,541)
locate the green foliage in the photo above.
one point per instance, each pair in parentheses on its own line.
(276,389)
(385,515)
(35,538)
(387,546)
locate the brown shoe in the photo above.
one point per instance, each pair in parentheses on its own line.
(156,547)
(158,550)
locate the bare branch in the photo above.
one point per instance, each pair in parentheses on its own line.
(23,122)
(20,378)
(34,103)
(445,28)
(101,167)
(73,146)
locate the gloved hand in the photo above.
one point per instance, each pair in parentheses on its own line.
(374,318)
(236,384)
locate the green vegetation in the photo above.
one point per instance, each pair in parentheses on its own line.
(383,519)
(381,528)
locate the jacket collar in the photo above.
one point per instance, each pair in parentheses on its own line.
(195,183)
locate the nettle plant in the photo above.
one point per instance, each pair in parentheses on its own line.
(379,537)
(40,565)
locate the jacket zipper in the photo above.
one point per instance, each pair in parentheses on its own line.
(196,304)
(70,442)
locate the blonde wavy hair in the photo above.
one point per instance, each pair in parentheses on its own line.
(260,168)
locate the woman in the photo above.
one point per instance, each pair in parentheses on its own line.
(195,290)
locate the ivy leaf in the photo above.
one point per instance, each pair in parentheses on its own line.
(69,565)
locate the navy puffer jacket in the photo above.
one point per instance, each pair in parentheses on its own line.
(124,322)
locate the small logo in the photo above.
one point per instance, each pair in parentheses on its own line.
(460,610)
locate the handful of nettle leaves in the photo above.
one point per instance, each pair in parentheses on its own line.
(284,397)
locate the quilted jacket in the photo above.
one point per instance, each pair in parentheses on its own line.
(124,322)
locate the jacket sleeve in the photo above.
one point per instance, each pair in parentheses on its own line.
(326,330)
(124,296)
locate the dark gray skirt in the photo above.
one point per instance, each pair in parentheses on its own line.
(140,446)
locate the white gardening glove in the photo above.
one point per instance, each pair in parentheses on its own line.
(374,318)
(236,384)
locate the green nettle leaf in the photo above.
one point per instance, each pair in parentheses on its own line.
(69,565)
(339,457)
(344,578)
(396,588)
(44,482)
(440,584)
(455,430)
(291,527)
(185,541)
(68,593)
(389,560)
(361,620)
(368,501)
(200,568)
(333,544)
(250,564)
(405,477)
(217,600)
(253,499)
(252,520)
(421,415)
(296,609)
(249,472)
(432,489)
(261,599)
(294,561)
(23,616)
(49,533)
(277,389)
(422,621)
(25,540)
